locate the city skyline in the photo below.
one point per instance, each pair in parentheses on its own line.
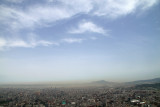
(65,40)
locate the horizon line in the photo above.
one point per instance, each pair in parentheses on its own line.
(69,81)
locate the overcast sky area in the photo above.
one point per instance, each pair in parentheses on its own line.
(75,40)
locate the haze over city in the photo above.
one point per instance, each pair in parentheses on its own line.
(79,40)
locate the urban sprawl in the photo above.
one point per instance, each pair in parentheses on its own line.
(79,97)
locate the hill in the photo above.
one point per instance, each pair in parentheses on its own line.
(149,81)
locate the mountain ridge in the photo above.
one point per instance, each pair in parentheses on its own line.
(148,81)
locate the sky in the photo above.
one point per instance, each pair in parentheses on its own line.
(77,40)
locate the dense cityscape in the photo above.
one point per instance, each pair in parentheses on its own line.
(80,97)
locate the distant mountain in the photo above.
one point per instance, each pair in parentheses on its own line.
(150,81)
(112,84)
(102,83)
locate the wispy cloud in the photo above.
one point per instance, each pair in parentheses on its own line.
(32,43)
(2,43)
(42,14)
(13,43)
(88,27)
(117,8)
(72,40)
(14,18)
(35,16)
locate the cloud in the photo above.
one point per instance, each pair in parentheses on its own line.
(32,42)
(117,8)
(35,16)
(72,40)
(2,43)
(14,18)
(39,15)
(14,43)
(88,27)
(14,1)
(147,3)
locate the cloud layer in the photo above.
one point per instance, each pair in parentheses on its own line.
(15,18)
(42,14)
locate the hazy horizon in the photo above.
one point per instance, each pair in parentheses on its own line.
(79,40)
(72,81)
